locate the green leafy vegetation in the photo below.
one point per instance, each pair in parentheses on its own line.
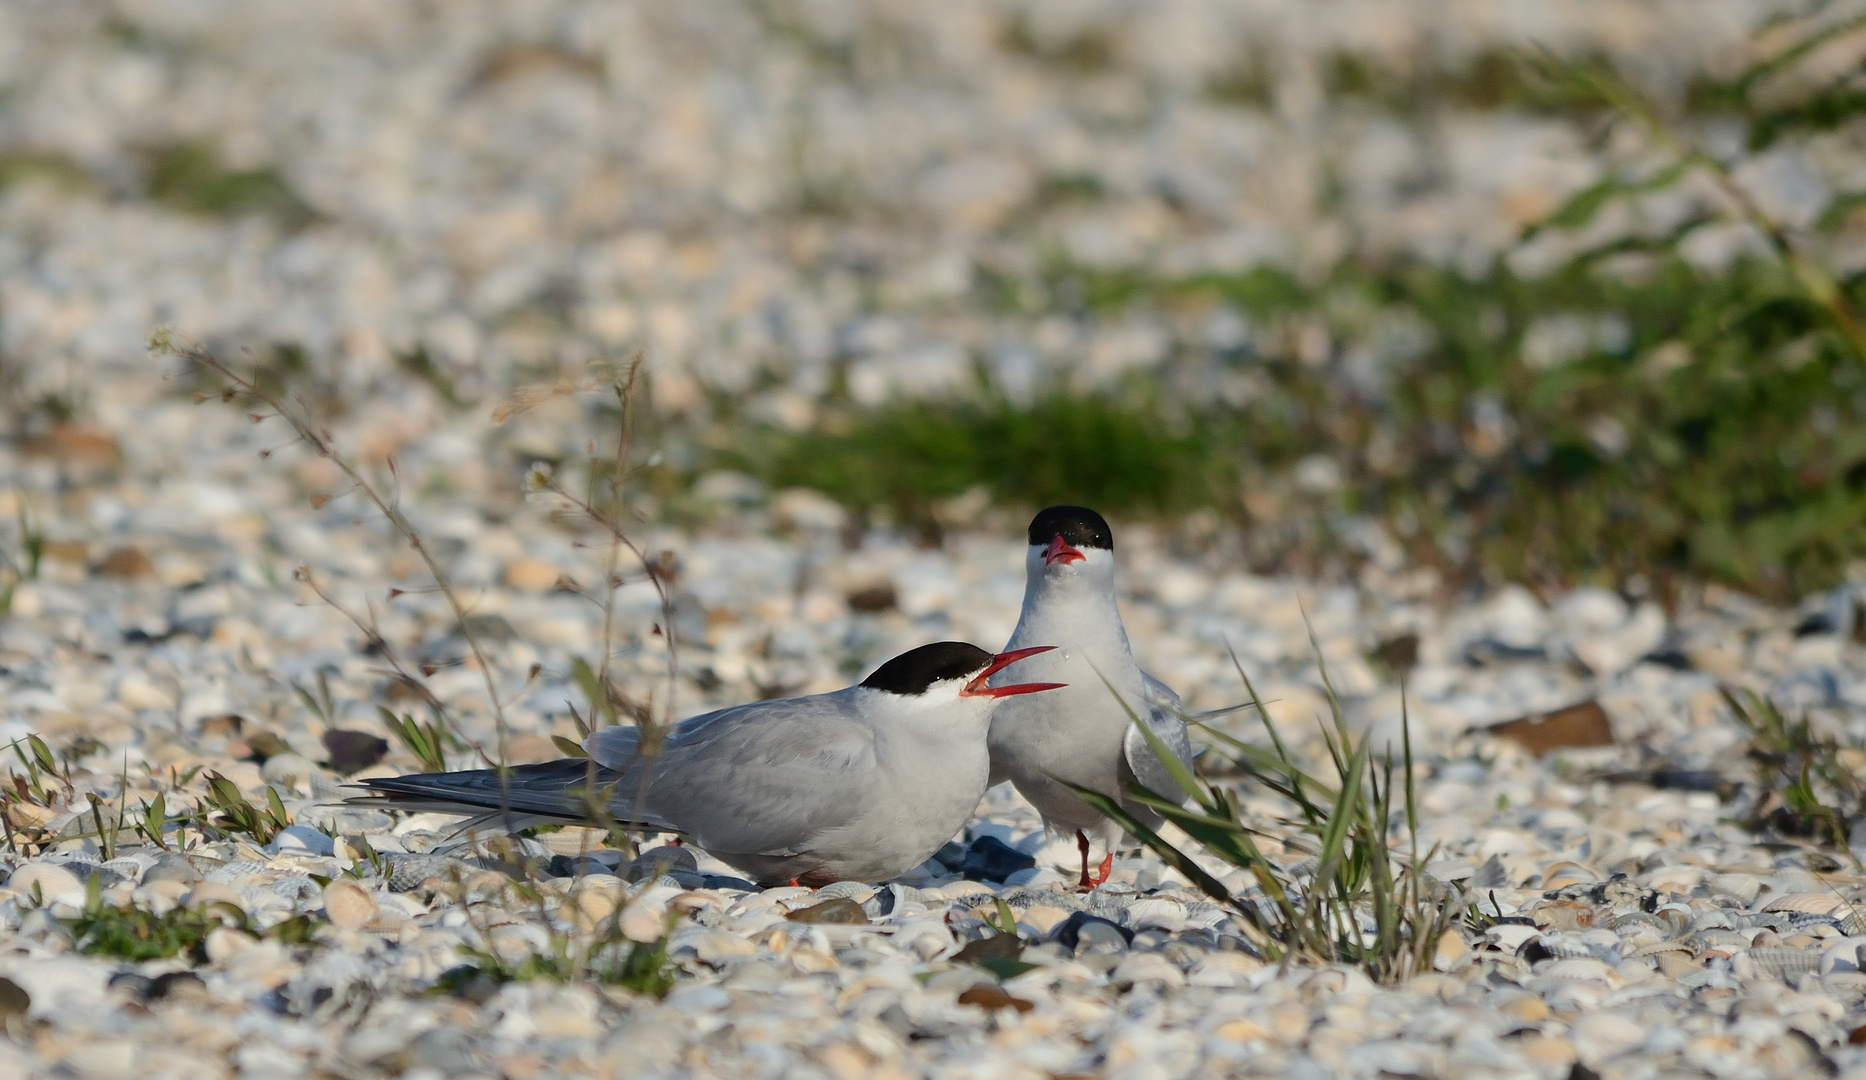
(1633,413)
(192,177)
(133,933)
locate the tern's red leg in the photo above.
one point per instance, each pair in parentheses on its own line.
(1082,845)
(1107,867)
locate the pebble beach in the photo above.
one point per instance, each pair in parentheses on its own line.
(517,190)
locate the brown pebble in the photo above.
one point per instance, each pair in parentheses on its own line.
(351,751)
(1575,726)
(840,911)
(74,445)
(14,1000)
(991,998)
(126,563)
(874,598)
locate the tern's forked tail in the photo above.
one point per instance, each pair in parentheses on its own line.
(571,790)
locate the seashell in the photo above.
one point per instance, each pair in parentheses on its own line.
(1740,887)
(1156,914)
(1784,961)
(846,890)
(232,872)
(1805,920)
(1814,902)
(1558,946)
(1854,925)
(591,906)
(408,872)
(1622,923)
(51,879)
(714,947)
(1223,969)
(1577,967)
(1722,939)
(1563,914)
(1566,873)
(1671,945)
(643,922)
(1677,919)
(1041,918)
(1146,967)
(1204,915)
(348,904)
(296,887)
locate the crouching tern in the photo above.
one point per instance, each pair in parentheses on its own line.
(861,784)
(1082,734)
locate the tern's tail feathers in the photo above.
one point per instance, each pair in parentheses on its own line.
(571,790)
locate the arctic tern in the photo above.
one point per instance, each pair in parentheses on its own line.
(859,784)
(1082,734)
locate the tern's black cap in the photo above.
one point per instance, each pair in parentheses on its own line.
(1080,526)
(913,671)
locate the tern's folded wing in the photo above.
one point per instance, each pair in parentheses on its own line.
(1162,715)
(768,780)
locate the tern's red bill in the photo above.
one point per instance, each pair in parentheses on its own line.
(1059,551)
(977,687)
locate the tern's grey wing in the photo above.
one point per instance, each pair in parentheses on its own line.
(1162,716)
(615,747)
(766,779)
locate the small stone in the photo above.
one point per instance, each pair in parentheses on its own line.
(1527,1008)
(991,859)
(226,943)
(1451,949)
(991,999)
(289,769)
(531,575)
(349,905)
(103,1059)
(840,911)
(655,862)
(180,986)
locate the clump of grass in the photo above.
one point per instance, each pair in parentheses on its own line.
(234,816)
(191,176)
(1363,903)
(1810,783)
(133,933)
(604,954)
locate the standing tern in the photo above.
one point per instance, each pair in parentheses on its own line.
(1082,735)
(859,784)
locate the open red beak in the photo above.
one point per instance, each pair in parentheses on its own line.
(1059,551)
(977,687)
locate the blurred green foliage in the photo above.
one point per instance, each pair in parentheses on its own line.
(191,176)
(1631,413)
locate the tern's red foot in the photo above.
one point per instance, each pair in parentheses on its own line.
(1107,867)
(1082,845)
